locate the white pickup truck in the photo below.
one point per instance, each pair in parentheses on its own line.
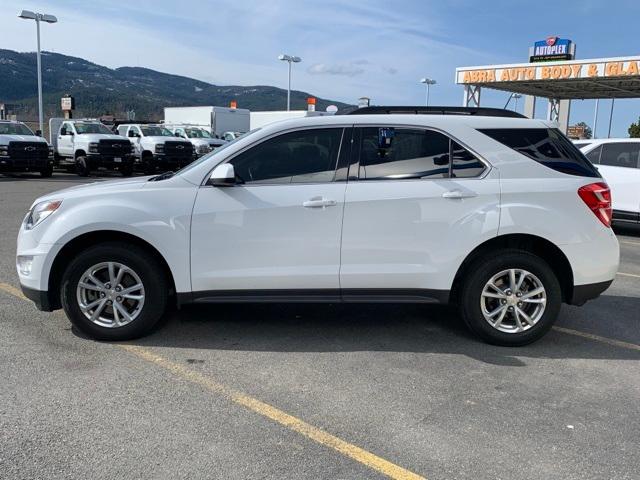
(86,145)
(203,142)
(22,151)
(156,147)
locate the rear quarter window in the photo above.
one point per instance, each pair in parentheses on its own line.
(547,146)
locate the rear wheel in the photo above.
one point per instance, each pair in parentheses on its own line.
(114,291)
(510,298)
(82,166)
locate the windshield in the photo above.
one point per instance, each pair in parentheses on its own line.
(197,133)
(214,153)
(14,129)
(91,128)
(155,131)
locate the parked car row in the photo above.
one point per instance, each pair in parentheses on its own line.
(87,145)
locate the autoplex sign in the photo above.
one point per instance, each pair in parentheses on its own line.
(557,71)
(551,49)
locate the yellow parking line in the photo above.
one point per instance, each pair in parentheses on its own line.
(598,338)
(628,274)
(12,290)
(354,452)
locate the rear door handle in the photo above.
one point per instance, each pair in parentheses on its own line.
(459,194)
(319,202)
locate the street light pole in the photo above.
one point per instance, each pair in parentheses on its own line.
(38,17)
(428,82)
(40,112)
(611,117)
(595,118)
(289,59)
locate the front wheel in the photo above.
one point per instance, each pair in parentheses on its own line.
(127,170)
(510,298)
(114,291)
(47,171)
(82,166)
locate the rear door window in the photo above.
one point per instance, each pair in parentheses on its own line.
(464,163)
(547,146)
(620,154)
(388,153)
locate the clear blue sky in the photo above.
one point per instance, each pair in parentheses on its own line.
(350,49)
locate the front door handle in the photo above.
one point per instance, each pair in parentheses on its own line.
(319,202)
(459,194)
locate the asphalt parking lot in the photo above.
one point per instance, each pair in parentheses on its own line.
(316,391)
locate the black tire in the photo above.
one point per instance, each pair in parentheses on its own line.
(145,265)
(127,170)
(47,171)
(147,164)
(482,270)
(82,167)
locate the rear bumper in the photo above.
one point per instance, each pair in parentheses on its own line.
(40,298)
(583,293)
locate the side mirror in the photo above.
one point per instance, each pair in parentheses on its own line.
(223,176)
(63,131)
(38,133)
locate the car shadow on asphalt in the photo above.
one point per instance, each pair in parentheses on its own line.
(626,229)
(364,327)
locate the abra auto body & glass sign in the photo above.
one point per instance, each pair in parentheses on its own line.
(613,67)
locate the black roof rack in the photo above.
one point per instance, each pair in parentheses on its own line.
(410,110)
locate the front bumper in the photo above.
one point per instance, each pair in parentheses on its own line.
(40,298)
(8,164)
(170,161)
(96,160)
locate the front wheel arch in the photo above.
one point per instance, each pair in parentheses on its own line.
(87,240)
(538,246)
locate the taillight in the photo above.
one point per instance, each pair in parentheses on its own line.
(597,196)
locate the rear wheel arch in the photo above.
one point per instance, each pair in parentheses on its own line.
(87,240)
(538,246)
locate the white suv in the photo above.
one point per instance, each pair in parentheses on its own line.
(501,216)
(618,160)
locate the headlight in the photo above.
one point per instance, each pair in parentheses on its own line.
(39,212)
(204,149)
(4,149)
(160,148)
(93,148)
